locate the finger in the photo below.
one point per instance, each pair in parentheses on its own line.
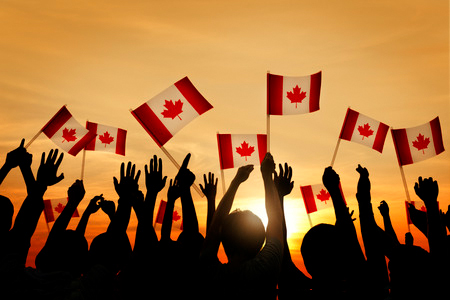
(55,156)
(186,161)
(138,174)
(202,188)
(59,178)
(289,176)
(159,164)
(152,164)
(146,171)
(58,162)
(215,184)
(43,158)
(281,170)
(49,156)
(22,143)
(116,182)
(122,171)
(204,179)
(164,181)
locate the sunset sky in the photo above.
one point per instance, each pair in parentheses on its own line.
(388,60)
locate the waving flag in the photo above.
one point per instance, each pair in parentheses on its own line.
(54,207)
(415,144)
(288,95)
(237,150)
(361,129)
(172,109)
(316,197)
(177,218)
(67,133)
(108,139)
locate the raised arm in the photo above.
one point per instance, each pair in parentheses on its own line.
(272,200)
(210,190)
(92,208)
(212,239)
(13,159)
(173,194)
(128,190)
(388,228)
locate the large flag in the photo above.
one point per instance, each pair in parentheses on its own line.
(291,95)
(54,207)
(316,197)
(361,129)
(108,139)
(177,218)
(415,144)
(237,150)
(172,109)
(67,133)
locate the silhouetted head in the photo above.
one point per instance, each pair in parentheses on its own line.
(65,252)
(324,253)
(113,251)
(6,214)
(243,234)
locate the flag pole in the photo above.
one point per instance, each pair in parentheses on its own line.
(268,118)
(178,167)
(335,151)
(309,219)
(32,139)
(83,161)
(405,185)
(224,189)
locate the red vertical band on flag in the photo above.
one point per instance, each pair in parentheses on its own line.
(262,146)
(147,118)
(274,94)
(193,96)
(225,151)
(120,144)
(380,137)
(82,143)
(437,135)
(48,211)
(314,93)
(161,210)
(349,124)
(402,146)
(93,128)
(308,198)
(55,123)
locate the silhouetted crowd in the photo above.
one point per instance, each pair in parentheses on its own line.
(259,263)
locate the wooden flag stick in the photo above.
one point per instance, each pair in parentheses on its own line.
(178,166)
(83,161)
(309,219)
(268,120)
(335,151)
(405,185)
(224,188)
(32,140)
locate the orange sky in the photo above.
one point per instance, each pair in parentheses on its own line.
(386,59)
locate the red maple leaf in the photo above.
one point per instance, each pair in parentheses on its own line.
(106,138)
(365,131)
(69,135)
(172,109)
(245,150)
(423,208)
(175,216)
(323,196)
(296,96)
(59,208)
(421,143)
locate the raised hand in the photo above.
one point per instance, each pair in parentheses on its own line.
(210,187)
(154,179)
(243,173)
(108,207)
(283,180)
(185,177)
(330,179)
(384,209)
(364,182)
(76,192)
(15,157)
(427,189)
(48,169)
(94,204)
(267,165)
(173,193)
(128,185)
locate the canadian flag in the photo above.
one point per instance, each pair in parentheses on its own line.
(415,144)
(237,150)
(419,206)
(54,207)
(177,218)
(316,197)
(361,129)
(291,95)
(67,133)
(172,109)
(108,139)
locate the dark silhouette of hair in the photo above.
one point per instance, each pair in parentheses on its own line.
(66,252)
(243,234)
(6,214)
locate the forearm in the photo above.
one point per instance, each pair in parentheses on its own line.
(389,229)
(273,209)
(210,212)
(82,224)
(436,231)
(166,227)
(119,222)
(28,177)
(4,170)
